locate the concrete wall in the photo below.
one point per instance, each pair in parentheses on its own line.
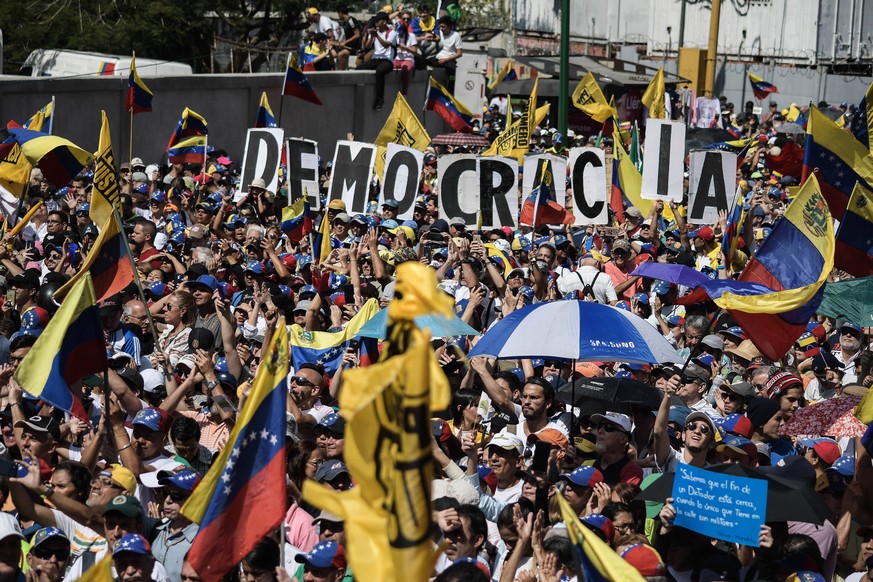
(228,102)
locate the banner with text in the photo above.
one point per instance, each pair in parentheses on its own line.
(402,170)
(261,159)
(588,182)
(721,506)
(712,179)
(472,187)
(663,160)
(302,156)
(352,168)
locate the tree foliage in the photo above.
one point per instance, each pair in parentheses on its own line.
(158,29)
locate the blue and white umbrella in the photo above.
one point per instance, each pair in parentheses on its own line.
(576,330)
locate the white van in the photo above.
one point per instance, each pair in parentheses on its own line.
(64,63)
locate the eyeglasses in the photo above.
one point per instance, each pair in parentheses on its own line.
(302,381)
(850,331)
(607,427)
(622,526)
(699,427)
(687,380)
(44,552)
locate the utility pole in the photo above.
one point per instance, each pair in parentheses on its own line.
(711,50)
(564,92)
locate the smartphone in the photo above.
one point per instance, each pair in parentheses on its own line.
(350,297)
(541,454)
(10,468)
(74,254)
(610,231)
(354,344)
(10,296)
(477,238)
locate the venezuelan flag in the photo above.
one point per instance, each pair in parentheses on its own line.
(71,347)
(539,208)
(325,348)
(190,151)
(782,285)
(630,180)
(598,561)
(761,88)
(507,73)
(446,106)
(837,160)
(731,237)
(296,220)
(855,235)
(322,245)
(242,498)
(190,124)
(265,114)
(59,159)
(617,197)
(296,83)
(108,263)
(139,97)
(42,119)
(860,126)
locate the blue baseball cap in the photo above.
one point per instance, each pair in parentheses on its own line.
(33,322)
(255,267)
(334,422)
(186,479)
(47,533)
(221,364)
(83,207)
(678,414)
(845,466)
(324,555)
(661,287)
(156,289)
(337,282)
(307,292)
(642,298)
(303,261)
(519,373)
(735,331)
(205,281)
(389,224)
(159,196)
(850,325)
(584,476)
(360,219)
(151,418)
(133,543)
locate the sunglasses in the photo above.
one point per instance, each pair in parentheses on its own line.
(301,381)
(687,380)
(731,396)
(45,553)
(607,427)
(178,496)
(700,427)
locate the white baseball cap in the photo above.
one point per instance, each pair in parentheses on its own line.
(621,420)
(507,441)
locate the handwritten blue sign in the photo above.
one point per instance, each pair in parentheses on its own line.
(721,506)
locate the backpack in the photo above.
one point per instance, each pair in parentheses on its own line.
(588,288)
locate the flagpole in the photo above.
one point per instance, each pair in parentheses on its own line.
(281,106)
(205,149)
(139,288)
(130,145)
(52,118)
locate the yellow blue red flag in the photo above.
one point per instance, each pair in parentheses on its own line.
(71,347)
(242,498)
(327,348)
(855,235)
(139,97)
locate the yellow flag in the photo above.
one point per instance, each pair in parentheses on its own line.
(514,141)
(590,99)
(99,572)
(14,171)
(653,98)
(105,194)
(402,127)
(793,113)
(387,408)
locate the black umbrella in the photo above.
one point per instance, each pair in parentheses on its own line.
(696,138)
(787,499)
(614,390)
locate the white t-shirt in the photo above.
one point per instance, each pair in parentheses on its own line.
(325,24)
(510,494)
(403,54)
(385,52)
(449,45)
(603,287)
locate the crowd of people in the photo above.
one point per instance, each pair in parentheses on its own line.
(394,39)
(217,272)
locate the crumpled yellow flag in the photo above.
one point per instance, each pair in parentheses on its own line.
(387,407)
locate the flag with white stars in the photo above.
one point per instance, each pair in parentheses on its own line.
(838,161)
(242,497)
(327,348)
